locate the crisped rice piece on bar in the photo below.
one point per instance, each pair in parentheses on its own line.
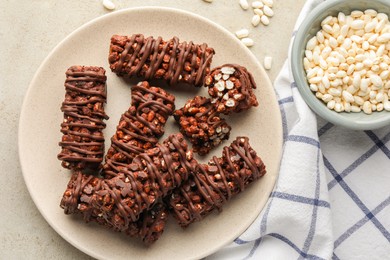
(231,88)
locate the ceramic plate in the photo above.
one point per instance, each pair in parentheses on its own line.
(39,134)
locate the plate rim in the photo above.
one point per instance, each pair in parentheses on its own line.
(22,117)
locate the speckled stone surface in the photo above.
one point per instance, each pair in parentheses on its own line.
(29,30)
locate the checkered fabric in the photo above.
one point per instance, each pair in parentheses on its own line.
(332,198)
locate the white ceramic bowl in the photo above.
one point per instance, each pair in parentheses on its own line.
(310,26)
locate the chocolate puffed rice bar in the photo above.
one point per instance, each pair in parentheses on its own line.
(80,198)
(121,199)
(151,58)
(216,182)
(82,141)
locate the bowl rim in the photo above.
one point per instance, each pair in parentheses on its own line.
(314,103)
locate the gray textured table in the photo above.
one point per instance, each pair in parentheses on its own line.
(29,30)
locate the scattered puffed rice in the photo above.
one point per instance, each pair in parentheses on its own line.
(268,11)
(257,5)
(255,20)
(258,12)
(108,4)
(269,3)
(244,4)
(247,41)
(262,9)
(347,62)
(242,33)
(264,20)
(267,62)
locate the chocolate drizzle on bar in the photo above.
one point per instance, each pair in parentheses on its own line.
(140,127)
(216,182)
(146,98)
(82,141)
(171,60)
(210,112)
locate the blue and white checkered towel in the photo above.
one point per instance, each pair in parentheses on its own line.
(332,197)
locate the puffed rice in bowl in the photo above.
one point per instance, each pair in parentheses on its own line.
(340,60)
